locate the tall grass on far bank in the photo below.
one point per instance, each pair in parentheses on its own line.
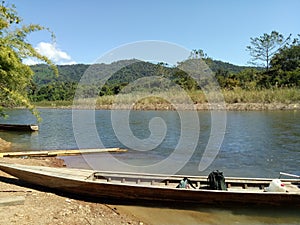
(264,96)
(53,104)
(237,95)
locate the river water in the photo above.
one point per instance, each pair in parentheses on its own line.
(255,144)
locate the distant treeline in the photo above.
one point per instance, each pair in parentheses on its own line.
(284,72)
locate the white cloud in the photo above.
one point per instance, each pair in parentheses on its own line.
(52,52)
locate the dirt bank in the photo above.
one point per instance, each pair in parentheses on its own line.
(4,145)
(41,207)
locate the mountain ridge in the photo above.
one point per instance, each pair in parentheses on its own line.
(73,73)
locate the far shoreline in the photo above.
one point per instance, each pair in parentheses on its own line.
(183,107)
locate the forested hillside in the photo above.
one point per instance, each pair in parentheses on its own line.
(43,74)
(47,86)
(283,71)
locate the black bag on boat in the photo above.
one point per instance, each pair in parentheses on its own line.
(216,180)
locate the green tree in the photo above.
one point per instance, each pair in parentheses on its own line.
(248,78)
(287,59)
(263,48)
(184,80)
(286,66)
(16,76)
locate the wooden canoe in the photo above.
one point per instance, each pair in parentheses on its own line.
(19,127)
(137,187)
(54,153)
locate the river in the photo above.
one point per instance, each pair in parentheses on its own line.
(255,144)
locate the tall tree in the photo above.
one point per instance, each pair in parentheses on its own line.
(264,47)
(16,76)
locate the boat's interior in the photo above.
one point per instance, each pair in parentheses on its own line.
(232,184)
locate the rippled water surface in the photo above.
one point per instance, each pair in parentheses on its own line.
(255,143)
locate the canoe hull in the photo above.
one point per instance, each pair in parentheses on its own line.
(19,127)
(140,193)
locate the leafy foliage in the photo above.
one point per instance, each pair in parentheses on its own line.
(15,76)
(286,67)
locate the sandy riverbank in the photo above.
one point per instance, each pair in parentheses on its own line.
(41,207)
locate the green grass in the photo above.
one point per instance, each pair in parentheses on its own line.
(265,96)
(53,104)
(238,95)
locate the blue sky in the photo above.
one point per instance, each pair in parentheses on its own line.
(86,30)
